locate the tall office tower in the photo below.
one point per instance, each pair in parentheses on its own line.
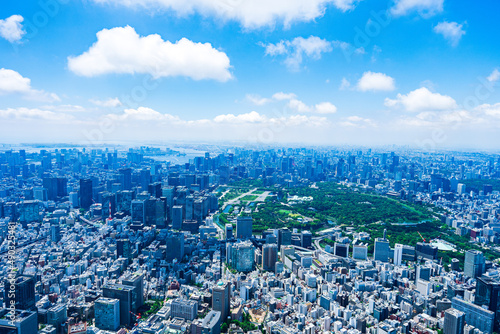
(107,313)
(184,308)
(136,281)
(24,293)
(244,227)
(85,193)
(341,250)
(306,239)
(221,295)
(474,265)
(359,252)
(269,256)
(454,321)
(488,293)
(381,251)
(475,315)
(284,237)
(189,208)
(145,178)
(124,294)
(177,217)
(138,210)
(229,231)
(208,325)
(124,249)
(423,273)
(50,183)
(55,233)
(426,251)
(126,174)
(22,321)
(242,256)
(398,254)
(154,189)
(175,247)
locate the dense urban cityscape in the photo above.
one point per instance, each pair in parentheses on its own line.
(99,240)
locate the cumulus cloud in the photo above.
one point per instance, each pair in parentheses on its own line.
(320,108)
(357,121)
(250,13)
(425,8)
(451,31)
(26,114)
(422,99)
(494,76)
(121,50)
(371,81)
(11,82)
(490,109)
(344,84)
(280,96)
(257,100)
(11,28)
(295,50)
(260,101)
(109,103)
(65,108)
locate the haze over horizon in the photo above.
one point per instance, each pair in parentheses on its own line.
(324,72)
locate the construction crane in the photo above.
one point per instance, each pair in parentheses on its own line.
(421,236)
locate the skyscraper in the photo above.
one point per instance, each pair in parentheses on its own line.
(22,291)
(488,293)
(221,295)
(244,227)
(177,217)
(454,321)
(269,256)
(398,254)
(474,265)
(284,237)
(126,174)
(136,281)
(381,251)
(107,313)
(85,193)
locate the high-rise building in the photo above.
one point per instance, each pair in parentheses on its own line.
(284,237)
(426,251)
(107,313)
(474,265)
(341,250)
(55,232)
(175,247)
(221,295)
(124,248)
(145,178)
(244,227)
(381,251)
(359,252)
(229,231)
(126,174)
(269,256)
(242,256)
(138,211)
(22,322)
(488,294)
(177,217)
(306,239)
(136,281)
(209,325)
(454,321)
(20,291)
(398,254)
(184,308)
(124,294)
(475,315)
(86,193)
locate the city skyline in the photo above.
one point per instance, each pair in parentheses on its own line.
(423,74)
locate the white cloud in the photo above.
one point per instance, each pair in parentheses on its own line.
(257,100)
(11,82)
(122,50)
(371,81)
(280,96)
(422,99)
(451,31)
(358,122)
(65,108)
(295,50)
(11,28)
(144,114)
(26,114)
(320,108)
(250,13)
(109,103)
(494,76)
(425,8)
(251,117)
(260,101)
(490,109)
(345,84)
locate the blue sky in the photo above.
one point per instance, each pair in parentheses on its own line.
(422,73)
